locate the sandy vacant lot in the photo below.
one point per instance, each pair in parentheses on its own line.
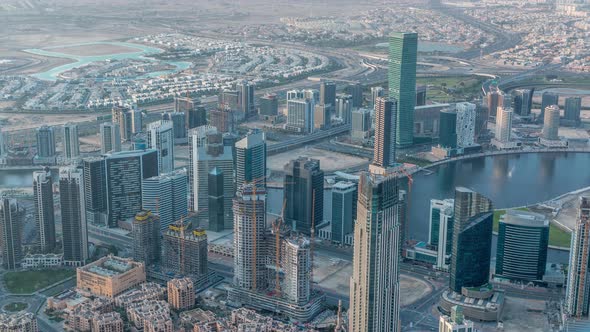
(94,50)
(329,162)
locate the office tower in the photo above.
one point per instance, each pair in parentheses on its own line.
(110,137)
(185,253)
(249,208)
(447,129)
(573,105)
(523,238)
(213,154)
(361,124)
(495,100)
(356,92)
(179,127)
(466,116)
(230,100)
(321,116)
(300,115)
(136,121)
(312,94)
(222,119)
(195,114)
(344,105)
(472,240)
(196,139)
(125,172)
(269,105)
(44,214)
(247,98)
(344,199)
(304,194)
(548,99)
(3,149)
(181,293)
(251,159)
(503,124)
(166,195)
(385,132)
(146,238)
(523,101)
(123,116)
(295,94)
(577,295)
(95,190)
(403,51)
(297,266)
(71,143)
(374,285)
(551,123)
(376,92)
(12,219)
(420,95)
(161,138)
(216,200)
(440,232)
(456,322)
(481,120)
(327,93)
(45,142)
(73,216)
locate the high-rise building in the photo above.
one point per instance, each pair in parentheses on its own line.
(573,105)
(327,93)
(523,101)
(403,51)
(504,124)
(45,142)
(447,131)
(123,116)
(73,216)
(216,195)
(71,143)
(222,119)
(269,105)
(577,296)
(146,238)
(300,114)
(249,229)
(421,95)
(95,190)
(197,138)
(376,92)
(374,285)
(136,121)
(194,112)
(440,233)
(385,132)
(472,240)
(178,126)
(161,138)
(44,214)
(12,219)
(495,100)
(344,199)
(230,100)
(321,116)
(456,322)
(3,148)
(361,124)
(110,137)
(344,106)
(185,252)
(548,98)
(304,194)
(551,123)
(297,266)
(181,293)
(247,98)
(356,92)
(312,94)
(465,124)
(125,172)
(166,195)
(251,158)
(521,253)
(295,94)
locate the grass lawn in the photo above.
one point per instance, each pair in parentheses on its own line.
(15,306)
(557,236)
(24,282)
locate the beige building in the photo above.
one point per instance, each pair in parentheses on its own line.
(144,311)
(159,323)
(19,322)
(109,322)
(181,293)
(110,276)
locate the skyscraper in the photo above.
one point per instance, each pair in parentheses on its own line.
(300,114)
(361,124)
(577,296)
(44,214)
(465,124)
(185,252)
(297,266)
(222,119)
(269,105)
(374,285)
(327,93)
(247,98)
(403,51)
(197,137)
(573,105)
(456,322)
(216,195)
(71,143)
(124,118)
(551,123)
(504,125)
(304,194)
(251,158)
(195,114)
(440,232)
(344,105)
(178,126)
(166,195)
(73,216)
(146,238)
(448,129)
(356,92)
(344,199)
(12,218)
(376,92)
(421,95)
(495,100)
(110,137)
(161,138)
(321,116)
(95,190)
(45,142)
(385,132)
(472,240)
(136,121)
(547,99)
(523,101)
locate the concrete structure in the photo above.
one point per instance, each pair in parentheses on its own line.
(71,142)
(304,194)
(181,294)
(385,132)
(146,291)
(124,118)
(374,285)
(95,190)
(161,137)
(465,124)
(18,322)
(269,105)
(146,238)
(521,252)
(361,124)
(577,297)
(166,195)
(551,123)
(185,253)
(230,100)
(251,159)
(456,322)
(300,113)
(297,267)
(403,52)
(344,199)
(440,232)
(573,106)
(39,261)
(12,219)
(223,119)
(502,139)
(110,276)
(108,322)
(147,311)
(44,213)
(73,216)
(110,137)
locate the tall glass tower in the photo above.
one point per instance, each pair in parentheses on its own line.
(403,53)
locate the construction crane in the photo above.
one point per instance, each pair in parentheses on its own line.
(276,227)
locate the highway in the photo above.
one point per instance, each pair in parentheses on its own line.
(299,141)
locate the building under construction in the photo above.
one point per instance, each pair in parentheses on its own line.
(185,253)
